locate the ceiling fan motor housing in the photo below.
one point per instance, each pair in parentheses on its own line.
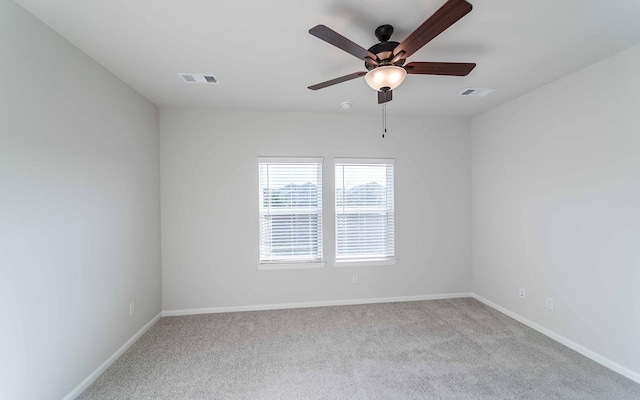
(384,49)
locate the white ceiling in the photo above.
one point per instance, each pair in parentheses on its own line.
(265,58)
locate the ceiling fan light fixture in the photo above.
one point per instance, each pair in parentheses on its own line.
(386,76)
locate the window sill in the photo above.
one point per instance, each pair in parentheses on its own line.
(365,263)
(310,265)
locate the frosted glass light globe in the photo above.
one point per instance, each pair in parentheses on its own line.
(389,76)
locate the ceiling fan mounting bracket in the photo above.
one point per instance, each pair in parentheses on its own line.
(384,32)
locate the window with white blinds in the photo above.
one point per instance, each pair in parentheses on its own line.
(364,210)
(290,210)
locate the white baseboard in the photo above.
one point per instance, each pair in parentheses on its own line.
(600,359)
(260,307)
(95,374)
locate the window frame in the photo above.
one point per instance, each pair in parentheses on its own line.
(364,261)
(293,263)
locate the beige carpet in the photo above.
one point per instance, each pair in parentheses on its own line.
(443,349)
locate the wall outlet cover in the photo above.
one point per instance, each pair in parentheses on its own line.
(549,303)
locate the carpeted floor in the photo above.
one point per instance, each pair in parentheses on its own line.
(442,349)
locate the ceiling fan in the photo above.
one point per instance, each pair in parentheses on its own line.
(385,60)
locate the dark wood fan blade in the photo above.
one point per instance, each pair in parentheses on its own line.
(332,37)
(337,80)
(384,97)
(446,16)
(439,68)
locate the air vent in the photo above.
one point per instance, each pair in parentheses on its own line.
(474,92)
(199,78)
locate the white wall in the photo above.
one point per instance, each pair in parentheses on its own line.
(210,205)
(556,206)
(79,211)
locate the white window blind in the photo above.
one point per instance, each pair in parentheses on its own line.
(364,210)
(290,210)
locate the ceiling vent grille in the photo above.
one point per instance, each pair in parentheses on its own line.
(199,78)
(475,92)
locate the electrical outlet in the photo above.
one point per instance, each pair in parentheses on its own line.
(549,303)
(523,293)
(355,278)
(132,308)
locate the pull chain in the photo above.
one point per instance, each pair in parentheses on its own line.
(384,119)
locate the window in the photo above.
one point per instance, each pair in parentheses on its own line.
(290,212)
(364,211)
